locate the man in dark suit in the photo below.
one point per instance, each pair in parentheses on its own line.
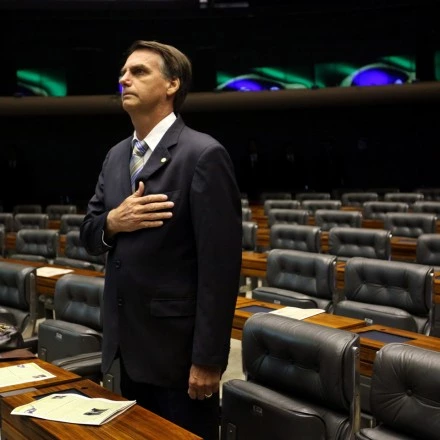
(173,238)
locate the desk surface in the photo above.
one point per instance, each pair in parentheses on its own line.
(325,319)
(369,346)
(46,285)
(61,376)
(136,423)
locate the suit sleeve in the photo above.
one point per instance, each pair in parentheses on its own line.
(216,215)
(92,228)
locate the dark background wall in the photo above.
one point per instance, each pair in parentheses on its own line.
(57,157)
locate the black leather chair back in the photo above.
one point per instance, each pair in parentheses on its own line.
(377,210)
(359,242)
(358,198)
(312,196)
(431,207)
(2,241)
(408,197)
(70,222)
(280,204)
(249,238)
(56,211)
(279,195)
(391,293)
(410,224)
(27,209)
(329,218)
(428,250)
(18,287)
(296,237)
(288,216)
(77,256)
(36,244)
(299,279)
(405,394)
(7,220)
(302,382)
(313,205)
(246,214)
(77,327)
(31,221)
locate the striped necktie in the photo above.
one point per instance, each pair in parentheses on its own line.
(137,160)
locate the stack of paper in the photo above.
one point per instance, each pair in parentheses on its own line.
(297,313)
(74,408)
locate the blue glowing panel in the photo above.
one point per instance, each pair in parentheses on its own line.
(379,76)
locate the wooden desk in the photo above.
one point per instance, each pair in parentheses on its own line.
(369,347)
(46,285)
(136,423)
(61,376)
(325,319)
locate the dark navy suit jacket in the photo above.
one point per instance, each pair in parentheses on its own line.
(170,292)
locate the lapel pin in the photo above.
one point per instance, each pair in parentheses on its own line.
(164,159)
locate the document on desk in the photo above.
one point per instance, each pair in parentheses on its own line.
(22,373)
(51,271)
(74,408)
(297,312)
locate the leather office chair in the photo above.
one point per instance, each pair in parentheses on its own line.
(302,382)
(7,220)
(249,243)
(280,204)
(312,196)
(288,216)
(358,198)
(299,279)
(18,300)
(27,209)
(391,293)
(410,224)
(76,255)
(76,329)
(428,250)
(56,211)
(313,205)
(279,195)
(296,237)
(429,194)
(31,221)
(405,394)
(36,245)
(377,210)
(347,242)
(405,197)
(2,241)
(70,222)
(246,214)
(329,218)
(431,207)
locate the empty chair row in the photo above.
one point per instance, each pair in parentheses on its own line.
(43,245)
(391,293)
(19,221)
(54,211)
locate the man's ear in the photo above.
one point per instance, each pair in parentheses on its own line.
(173,86)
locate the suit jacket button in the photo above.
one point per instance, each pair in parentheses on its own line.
(120,302)
(117,264)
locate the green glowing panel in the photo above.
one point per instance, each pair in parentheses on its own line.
(42,82)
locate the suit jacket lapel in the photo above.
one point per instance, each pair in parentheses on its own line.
(161,155)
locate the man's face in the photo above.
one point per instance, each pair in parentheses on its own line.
(144,88)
